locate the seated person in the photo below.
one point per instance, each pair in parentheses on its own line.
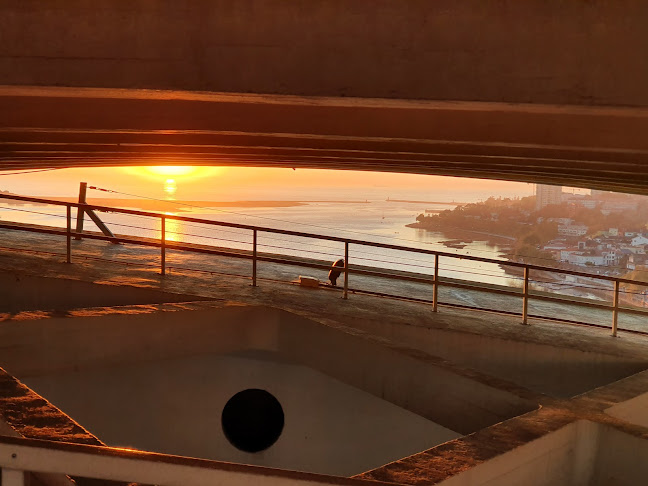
(333,273)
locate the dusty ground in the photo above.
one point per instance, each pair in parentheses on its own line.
(229,279)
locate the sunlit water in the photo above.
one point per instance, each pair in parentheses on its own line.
(375,220)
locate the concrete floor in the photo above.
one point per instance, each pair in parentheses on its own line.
(174,407)
(393,323)
(139,266)
(570,359)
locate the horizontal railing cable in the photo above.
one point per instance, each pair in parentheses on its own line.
(287,237)
(240,213)
(33,212)
(329,238)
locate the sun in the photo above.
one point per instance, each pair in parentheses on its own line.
(172,170)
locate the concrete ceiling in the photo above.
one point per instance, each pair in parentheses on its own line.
(595,147)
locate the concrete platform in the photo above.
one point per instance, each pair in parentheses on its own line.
(229,279)
(572,373)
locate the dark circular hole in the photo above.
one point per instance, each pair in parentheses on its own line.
(252,420)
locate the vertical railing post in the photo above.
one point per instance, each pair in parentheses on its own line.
(615,309)
(254,258)
(345,294)
(12,477)
(525,297)
(435,288)
(162,245)
(68,233)
(80,211)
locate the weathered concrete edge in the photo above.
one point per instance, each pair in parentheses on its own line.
(454,457)
(32,416)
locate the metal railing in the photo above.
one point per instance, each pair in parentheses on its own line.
(53,461)
(253,254)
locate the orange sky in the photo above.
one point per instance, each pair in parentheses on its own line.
(230,183)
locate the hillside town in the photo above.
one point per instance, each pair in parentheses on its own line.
(605,231)
(611,232)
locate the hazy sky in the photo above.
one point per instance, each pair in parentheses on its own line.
(238,183)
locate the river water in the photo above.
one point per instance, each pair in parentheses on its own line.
(376,220)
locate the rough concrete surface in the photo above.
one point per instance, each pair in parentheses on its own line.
(578,52)
(358,315)
(592,147)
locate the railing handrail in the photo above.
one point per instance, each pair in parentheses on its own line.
(84,207)
(339,239)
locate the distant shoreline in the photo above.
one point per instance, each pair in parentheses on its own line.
(169,205)
(445,203)
(460,230)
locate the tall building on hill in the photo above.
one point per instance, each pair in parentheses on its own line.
(596,193)
(546,195)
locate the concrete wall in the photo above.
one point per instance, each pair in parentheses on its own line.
(41,347)
(634,410)
(552,370)
(6,429)
(44,346)
(621,460)
(580,454)
(539,51)
(25,293)
(175,407)
(408,379)
(38,478)
(562,458)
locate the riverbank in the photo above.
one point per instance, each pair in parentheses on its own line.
(542,281)
(459,233)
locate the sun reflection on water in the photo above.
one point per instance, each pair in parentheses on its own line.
(170,188)
(172,229)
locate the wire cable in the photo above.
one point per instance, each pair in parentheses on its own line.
(33,212)
(296,222)
(278,220)
(247,215)
(399,261)
(20,172)
(457,268)
(283,240)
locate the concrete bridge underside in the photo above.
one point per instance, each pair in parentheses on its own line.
(525,90)
(560,52)
(602,148)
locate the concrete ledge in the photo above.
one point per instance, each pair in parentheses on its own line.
(31,416)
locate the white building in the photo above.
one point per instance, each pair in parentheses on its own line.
(639,240)
(636,262)
(610,207)
(597,193)
(612,258)
(555,246)
(588,203)
(546,195)
(573,230)
(563,221)
(606,258)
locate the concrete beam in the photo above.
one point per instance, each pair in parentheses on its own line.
(522,51)
(596,147)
